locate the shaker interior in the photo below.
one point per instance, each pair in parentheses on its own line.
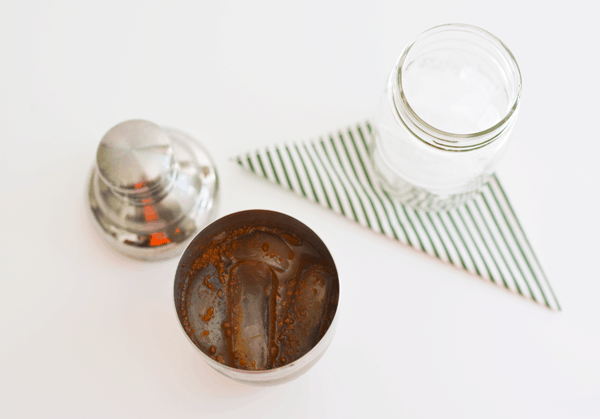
(293,298)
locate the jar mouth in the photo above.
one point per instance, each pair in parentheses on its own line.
(505,62)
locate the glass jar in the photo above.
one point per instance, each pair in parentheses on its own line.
(445,118)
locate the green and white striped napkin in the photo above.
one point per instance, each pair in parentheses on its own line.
(483,236)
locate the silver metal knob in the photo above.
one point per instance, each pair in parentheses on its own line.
(151,190)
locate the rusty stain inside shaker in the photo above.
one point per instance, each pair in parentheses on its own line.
(257,296)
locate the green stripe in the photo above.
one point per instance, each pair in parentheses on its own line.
(413,228)
(392,202)
(462,239)
(287,177)
(273,167)
(508,246)
(417,200)
(408,240)
(368,177)
(497,246)
(387,196)
(406,196)
(517,241)
(369,128)
(439,236)
(368,180)
(250,164)
(350,182)
(428,236)
(464,265)
(487,268)
(296,171)
(262,167)
(318,176)
(337,196)
(362,163)
(528,244)
(486,247)
(310,182)
(340,180)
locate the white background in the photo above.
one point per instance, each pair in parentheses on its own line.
(86,333)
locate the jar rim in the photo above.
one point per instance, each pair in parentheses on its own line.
(438,137)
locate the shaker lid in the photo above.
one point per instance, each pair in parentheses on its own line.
(135,155)
(152,189)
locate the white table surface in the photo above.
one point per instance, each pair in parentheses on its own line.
(86,333)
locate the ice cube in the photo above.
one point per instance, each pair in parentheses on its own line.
(263,246)
(250,298)
(304,324)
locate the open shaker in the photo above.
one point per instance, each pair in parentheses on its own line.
(445,119)
(256,292)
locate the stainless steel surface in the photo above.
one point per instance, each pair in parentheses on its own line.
(152,189)
(215,231)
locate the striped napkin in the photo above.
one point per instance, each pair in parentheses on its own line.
(483,236)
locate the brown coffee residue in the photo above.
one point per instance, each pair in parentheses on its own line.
(261,296)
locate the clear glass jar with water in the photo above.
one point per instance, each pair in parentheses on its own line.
(445,118)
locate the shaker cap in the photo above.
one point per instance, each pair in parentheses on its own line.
(151,190)
(135,156)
